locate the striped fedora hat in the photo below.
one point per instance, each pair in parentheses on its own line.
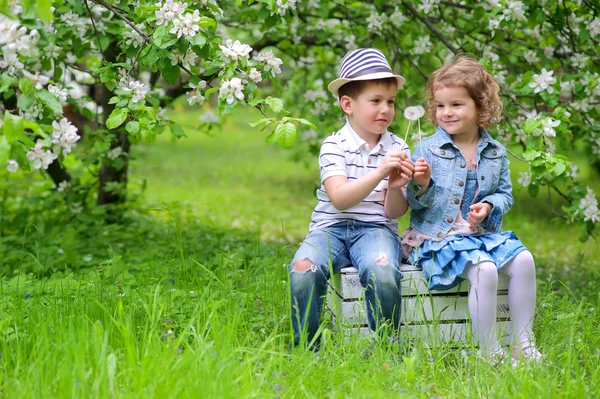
(363,64)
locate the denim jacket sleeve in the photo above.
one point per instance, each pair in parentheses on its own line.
(427,199)
(501,200)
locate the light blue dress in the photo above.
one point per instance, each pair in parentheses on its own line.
(444,261)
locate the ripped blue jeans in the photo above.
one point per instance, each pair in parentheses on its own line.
(372,248)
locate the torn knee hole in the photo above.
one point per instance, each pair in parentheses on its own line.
(304,265)
(382,261)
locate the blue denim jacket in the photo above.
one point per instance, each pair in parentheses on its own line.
(434,211)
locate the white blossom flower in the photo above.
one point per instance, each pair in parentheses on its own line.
(514,9)
(186,25)
(398,19)
(65,135)
(133,37)
(532,115)
(138,89)
(58,92)
(414,113)
(169,11)
(594,27)
(422,45)
(573,172)
(209,117)
(70,18)
(543,81)
(11,63)
(40,158)
(589,206)
(427,6)
(255,75)
(12,165)
(189,59)
(524,179)
(39,80)
(62,186)
(51,51)
(283,7)
(235,50)
(531,57)
(549,51)
(548,126)
(376,21)
(115,153)
(580,60)
(314,95)
(582,105)
(231,88)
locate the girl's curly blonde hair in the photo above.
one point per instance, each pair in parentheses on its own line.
(467,72)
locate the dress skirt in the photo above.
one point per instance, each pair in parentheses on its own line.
(444,261)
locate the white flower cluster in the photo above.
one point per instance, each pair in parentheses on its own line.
(283,6)
(137,88)
(589,206)
(169,11)
(234,51)
(14,41)
(510,10)
(524,179)
(376,21)
(59,92)
(427,6)
(41,158)
(12,165)
(115,153)
(594,27)
(209,117)
(65,135)
(195,96)
(231,88)
(422,45)
(273,63)
(543,81)
(133,37)
(186,25)
(188,60)
(548,126)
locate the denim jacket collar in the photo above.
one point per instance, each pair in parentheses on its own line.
(442,138)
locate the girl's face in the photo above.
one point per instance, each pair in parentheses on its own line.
(456,111)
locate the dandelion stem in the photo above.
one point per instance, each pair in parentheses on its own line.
(420,141)
(406,135)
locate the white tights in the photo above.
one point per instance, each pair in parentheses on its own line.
(483,278)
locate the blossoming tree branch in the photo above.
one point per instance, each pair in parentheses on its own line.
(106,70)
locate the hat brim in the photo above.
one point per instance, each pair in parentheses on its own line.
(334,86)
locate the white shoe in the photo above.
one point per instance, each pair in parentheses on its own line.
(528,353)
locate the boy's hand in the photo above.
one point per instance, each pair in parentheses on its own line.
(400,177)
(479,211)
(391,161)
(422,172)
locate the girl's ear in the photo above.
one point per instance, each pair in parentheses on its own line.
(346,104)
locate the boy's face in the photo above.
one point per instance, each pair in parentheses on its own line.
(372,112)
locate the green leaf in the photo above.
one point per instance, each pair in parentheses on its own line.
(24,101)
(26,85)
(13,127)
(132,127)
(533,189)
(276,104)
(271,139)
(559,169)
(206,22)
(6,81)
(286,134)
(266,121)
(176,130)
(531,125)
(43,10)
(51,102)
(306,122)
(116,118)
(169,72)
(162,38)
(197,40)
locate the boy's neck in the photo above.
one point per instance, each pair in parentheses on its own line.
(371,139)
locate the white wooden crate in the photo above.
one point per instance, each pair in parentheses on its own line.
(436,316)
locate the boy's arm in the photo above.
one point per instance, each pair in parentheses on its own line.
(345,194)
(395,204)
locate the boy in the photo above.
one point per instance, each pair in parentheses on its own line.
(364,169)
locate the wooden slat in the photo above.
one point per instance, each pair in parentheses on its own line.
(347,283)
(422,309)
(437,334)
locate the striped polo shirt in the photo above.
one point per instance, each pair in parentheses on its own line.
(344,153)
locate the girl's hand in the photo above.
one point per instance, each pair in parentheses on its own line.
(479,211)
(400,177)
(422,172)
(392,161)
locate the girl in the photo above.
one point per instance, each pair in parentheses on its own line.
(459,192)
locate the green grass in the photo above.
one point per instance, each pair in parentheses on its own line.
(188,297)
